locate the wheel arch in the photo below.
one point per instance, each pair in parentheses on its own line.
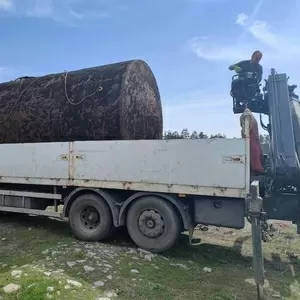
(104,195)
(180,208)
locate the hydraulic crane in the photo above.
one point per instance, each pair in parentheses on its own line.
(279,184)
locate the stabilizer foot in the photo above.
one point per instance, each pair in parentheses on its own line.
(192,241)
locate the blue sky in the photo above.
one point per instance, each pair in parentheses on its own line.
(189,45)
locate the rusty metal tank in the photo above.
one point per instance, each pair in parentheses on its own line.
(119,101)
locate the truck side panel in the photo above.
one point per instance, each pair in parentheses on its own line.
(213,167)
(34,161)
(209,164)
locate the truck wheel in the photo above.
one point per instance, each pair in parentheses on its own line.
(90,218)
(153,224)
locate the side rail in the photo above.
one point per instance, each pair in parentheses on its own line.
(256,215)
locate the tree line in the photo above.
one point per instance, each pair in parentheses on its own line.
(194,135)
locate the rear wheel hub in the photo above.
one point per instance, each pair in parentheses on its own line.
(90,217)
(151,223)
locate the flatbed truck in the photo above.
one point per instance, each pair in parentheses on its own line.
(158,189)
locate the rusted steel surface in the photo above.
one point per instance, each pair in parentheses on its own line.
(118,101)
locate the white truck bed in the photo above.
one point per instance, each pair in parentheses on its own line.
(215,167)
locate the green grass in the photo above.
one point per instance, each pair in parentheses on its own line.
(35,286)
(48,245)
(173,282)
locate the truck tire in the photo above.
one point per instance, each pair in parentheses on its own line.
(153,224)
(90,218)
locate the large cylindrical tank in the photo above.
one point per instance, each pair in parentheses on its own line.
(119,101)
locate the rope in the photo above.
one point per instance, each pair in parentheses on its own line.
(99,89)
(18,100)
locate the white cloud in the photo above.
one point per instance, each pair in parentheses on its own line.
(6,5)
(208,49)
(260,35)
(283,44)
(241,18)
(62,11)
